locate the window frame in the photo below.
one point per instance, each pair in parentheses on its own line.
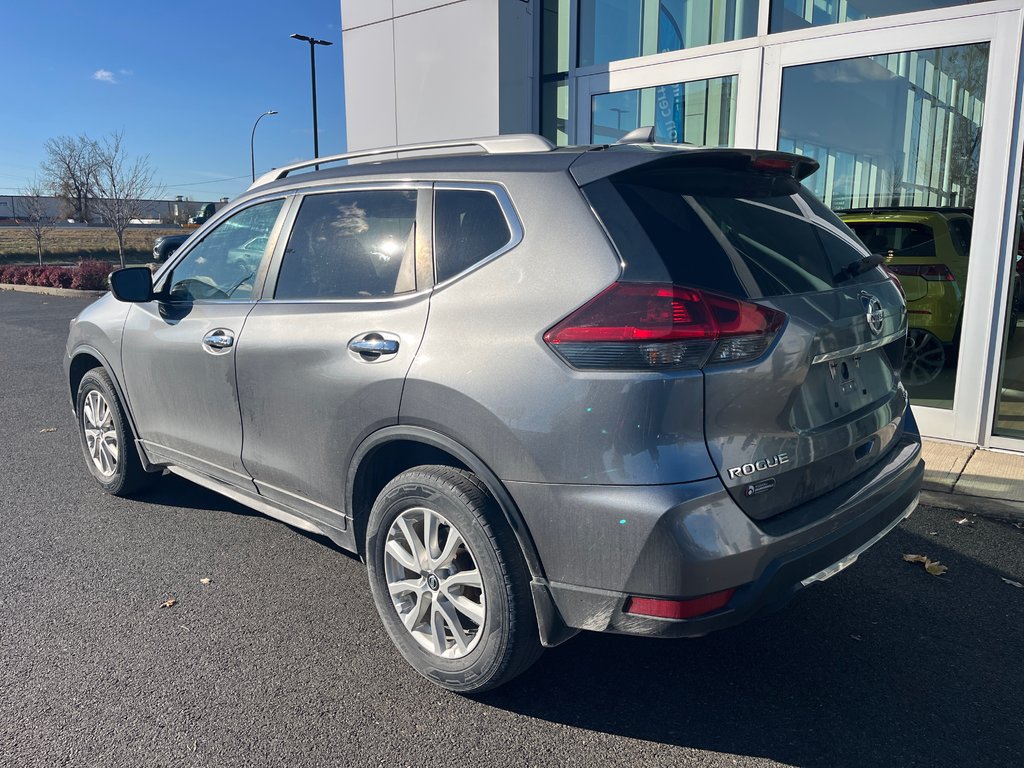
(508,210)
(163,277)
(422,239)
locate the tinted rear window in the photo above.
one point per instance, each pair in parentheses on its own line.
(903,239)
(469,226)
(741,233)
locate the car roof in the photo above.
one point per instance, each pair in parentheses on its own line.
(588,163)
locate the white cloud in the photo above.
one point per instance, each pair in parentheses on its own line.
(104,76)
(126,72)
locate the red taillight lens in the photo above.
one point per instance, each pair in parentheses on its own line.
(655,326)
(783,164)
(895,281)
(931,272)
(678,609)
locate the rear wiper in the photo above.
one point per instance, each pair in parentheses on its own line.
(855,268)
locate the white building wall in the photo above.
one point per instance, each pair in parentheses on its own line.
(425,70)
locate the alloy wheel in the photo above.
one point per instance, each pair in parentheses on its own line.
(923,359)
(100,433)
(434,583)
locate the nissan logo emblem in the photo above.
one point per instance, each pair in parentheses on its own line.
(873,312)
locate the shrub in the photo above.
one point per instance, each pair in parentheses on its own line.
(87,276)
(91,275)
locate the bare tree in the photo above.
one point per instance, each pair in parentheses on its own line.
(121,186)
(70,169)
(37,215)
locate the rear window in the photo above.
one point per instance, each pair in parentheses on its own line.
(903,239)
(741,233)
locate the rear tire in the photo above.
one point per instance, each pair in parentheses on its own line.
(449,580)
(107,438)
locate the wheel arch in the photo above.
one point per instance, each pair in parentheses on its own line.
(392,450)
(86,358)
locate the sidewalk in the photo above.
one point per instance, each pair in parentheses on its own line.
(971,479)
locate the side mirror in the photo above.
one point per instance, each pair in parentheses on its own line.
(132,284)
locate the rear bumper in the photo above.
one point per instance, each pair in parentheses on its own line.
(601,544)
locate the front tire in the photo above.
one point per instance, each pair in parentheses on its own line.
(449,580)
(107,438)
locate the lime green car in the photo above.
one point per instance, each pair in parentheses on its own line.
(927,249)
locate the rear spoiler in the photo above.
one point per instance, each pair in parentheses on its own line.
(604,161)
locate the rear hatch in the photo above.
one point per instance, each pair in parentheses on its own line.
(820,400)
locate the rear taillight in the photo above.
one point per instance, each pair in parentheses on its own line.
(656,326)
(894,279)
(931,272)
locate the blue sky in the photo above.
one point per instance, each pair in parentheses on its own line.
(183,80)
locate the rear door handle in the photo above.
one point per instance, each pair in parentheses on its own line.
(373,346)
(219,340)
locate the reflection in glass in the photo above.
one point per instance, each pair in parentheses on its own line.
(702,112)
(1010,402)
(799,14)
(554,71)
(898,139)
(610,30)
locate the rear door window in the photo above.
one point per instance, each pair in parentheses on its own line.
(739,233)
(469,226)
(351,245)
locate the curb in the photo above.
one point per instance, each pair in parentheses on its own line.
(992,509)
(47,291)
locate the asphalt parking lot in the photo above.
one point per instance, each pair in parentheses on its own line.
(280,659)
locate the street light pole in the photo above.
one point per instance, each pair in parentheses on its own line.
(252,140)
(313,42)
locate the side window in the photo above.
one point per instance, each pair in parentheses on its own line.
(469,226)
(961,229)
(224,264)
(351,245)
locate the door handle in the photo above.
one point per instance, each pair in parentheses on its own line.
(219,339)
(373,346)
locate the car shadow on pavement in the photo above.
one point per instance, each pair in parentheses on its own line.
(883,665)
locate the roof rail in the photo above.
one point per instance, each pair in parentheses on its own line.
(492,145)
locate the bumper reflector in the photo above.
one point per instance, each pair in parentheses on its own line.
(678,609)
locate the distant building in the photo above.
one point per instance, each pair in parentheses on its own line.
(13,208)
(904,103)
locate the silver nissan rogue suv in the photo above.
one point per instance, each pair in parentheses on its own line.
(631,388)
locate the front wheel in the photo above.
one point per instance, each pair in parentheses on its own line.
(107,438)
(449,580)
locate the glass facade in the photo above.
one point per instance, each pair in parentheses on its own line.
(554,71)
(787,15)
(702,112)
(610,30)
(898,139)
(1009,420)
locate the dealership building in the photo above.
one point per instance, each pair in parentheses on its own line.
(905,104)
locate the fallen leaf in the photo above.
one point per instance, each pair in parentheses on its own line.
(1018,525)
(205,581)
(933,533)
(1012,583)
(934,567)
(168,602)
(963,521)
(858,638)
(48,429)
